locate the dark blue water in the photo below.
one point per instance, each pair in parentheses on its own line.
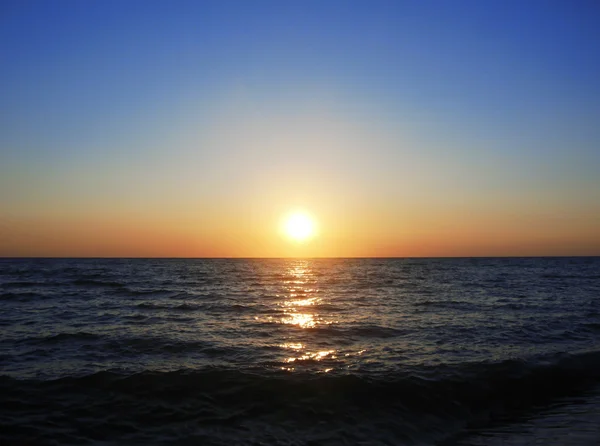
(300,352)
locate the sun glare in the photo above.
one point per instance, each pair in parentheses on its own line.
(299,227)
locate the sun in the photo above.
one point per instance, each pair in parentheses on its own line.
(299,227)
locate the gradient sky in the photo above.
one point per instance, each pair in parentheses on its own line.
(405,128)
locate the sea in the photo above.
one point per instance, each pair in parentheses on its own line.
(423,351)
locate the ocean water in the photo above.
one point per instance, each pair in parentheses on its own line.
(300,352)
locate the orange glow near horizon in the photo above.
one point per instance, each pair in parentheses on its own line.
(415,235)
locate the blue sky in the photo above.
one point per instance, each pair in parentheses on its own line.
(462,102)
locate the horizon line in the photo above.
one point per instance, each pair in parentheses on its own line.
(299,257)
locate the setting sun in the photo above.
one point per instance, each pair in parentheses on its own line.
(299,227)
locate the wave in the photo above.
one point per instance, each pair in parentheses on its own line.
(139,345)
(571,276)
(97,283)
(158,306)
(23,284)
(410,406)
(592,326)
(343,334)
(122,347)
(374,331)
(450,304)
(61,337)
(22,297)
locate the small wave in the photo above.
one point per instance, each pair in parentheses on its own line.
(592,326)
(133,346)
(362,331)
(159,306)
(329,307)
(22,284)
(571,276)
(153,345)
(150,292)
(514,306)
(220,308)
(22,297)
(62,337)
(97,283)
(135,317)
(447,304)
(376,331)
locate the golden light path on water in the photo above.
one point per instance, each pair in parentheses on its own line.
(297,305)
(298,309)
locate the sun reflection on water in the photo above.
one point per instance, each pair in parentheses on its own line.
(300,319)
(300,302)
(299,293)
(293,345)
(297,304)
(317,356)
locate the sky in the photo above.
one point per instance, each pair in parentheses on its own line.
(141,128)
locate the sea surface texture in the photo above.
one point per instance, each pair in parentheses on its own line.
(300,352)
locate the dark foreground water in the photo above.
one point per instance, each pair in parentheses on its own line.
(300,352)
